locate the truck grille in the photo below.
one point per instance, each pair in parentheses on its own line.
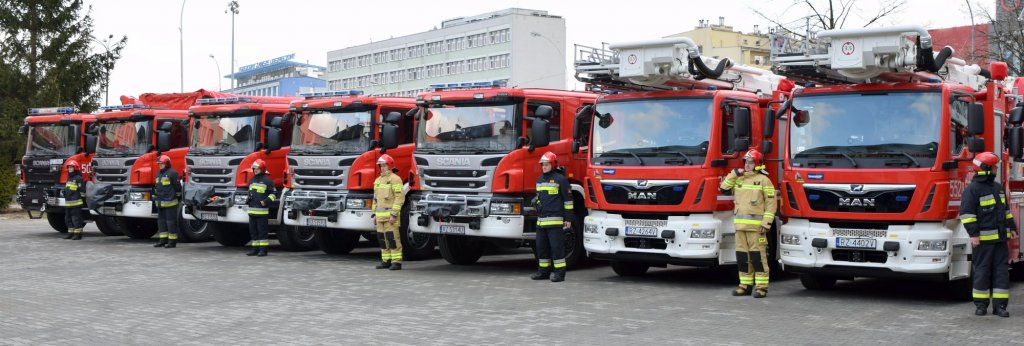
(859,233)
(110,175)
(319,178)
(659,195)
(456,179)
(859,256)
(893,201)
(645,243)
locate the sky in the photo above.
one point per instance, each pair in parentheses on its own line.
(265,29)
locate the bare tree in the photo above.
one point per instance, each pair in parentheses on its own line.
(1005,34)
(809,16)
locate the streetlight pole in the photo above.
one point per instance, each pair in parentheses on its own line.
(233,8)
(972,28)
(106,67)
(181,45)
(218,72)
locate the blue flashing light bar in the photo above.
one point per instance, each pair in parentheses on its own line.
(335,93)
(468,85)
(122,107)
(223,100)
(51,110)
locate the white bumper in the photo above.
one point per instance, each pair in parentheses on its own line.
(353,220)
(233,214)
(494,226)
(720,247)
(906,259)
(138,209)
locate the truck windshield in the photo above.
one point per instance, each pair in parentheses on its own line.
(332,133)
(870,130)
(214,135)
(123,138)
(52,140)
(478,129)
(652,132)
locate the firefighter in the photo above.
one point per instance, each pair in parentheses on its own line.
(166,193)
(754,214)
(387,204)
(261,196)
(989,223)
(74,200)
(554,216)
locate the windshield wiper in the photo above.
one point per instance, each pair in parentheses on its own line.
(898,152)
(852,161)
(634,155)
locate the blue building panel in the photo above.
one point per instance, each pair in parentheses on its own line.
(290,86)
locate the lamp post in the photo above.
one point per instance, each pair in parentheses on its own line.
(181,45)
(972,28)
(218,71)
(106,66)
(233,8)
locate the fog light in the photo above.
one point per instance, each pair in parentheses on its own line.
(357,203)
(241,199)
(707,233)
(790,239)
(931,245)
(138,196)
(590,228)
(505,208)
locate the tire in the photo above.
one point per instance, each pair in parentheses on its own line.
(371,237)
(575,253)
(57,222)
(817,282)
(627,269)
(193,231)
(228,234)
(335,241)
(106,227)
(135,228)
(460,250)
(961,290)
(294,238)
(415,246)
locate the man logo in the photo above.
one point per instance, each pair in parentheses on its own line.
(643,184)
(856,202)
(857,188)
(642,195)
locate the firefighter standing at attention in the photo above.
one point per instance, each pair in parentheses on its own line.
(166,193)
(74,194)
(261,196)
(554,215)
(989,223)
(387,207)
(755,213)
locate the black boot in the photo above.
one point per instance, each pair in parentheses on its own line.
(262,252)
(396,266)
(980,309)
(254,251)
(161,243)
(541,274)
(558,275)
(1000,311)
(760,293)
(78,236)
(171,244)
(383,265)
(69,235)
(743,290)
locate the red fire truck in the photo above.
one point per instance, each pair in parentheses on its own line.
(228,134)
(55,134)
(332,165)
(476,162)
(879,150)
(674,123)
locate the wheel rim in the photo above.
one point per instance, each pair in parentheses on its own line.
(418,240)
(305,234)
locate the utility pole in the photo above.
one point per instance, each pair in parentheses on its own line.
(233,8)
(181,45)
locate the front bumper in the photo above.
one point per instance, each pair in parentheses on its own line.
(326,209)
(119,204)
(895,252)
(469,216)
(222,207)
(674,241)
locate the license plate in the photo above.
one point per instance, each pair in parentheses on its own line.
(857,243)
(106,210)
(207,216)
(316,221)
(642,231)
(452,229)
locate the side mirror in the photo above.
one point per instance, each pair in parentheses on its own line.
(1016,142)
(389,137)
(741,116)
(767,146)
(976,145)
(544,112)
(1016,116)
(90,143)
(393,118)
(412,112)
(273,139)
(740,144)
(975,119)
(195,125)
(582,115)
(163,140)
(539,134)
(23,129)
(768,131)
(276,122)
(166,126)
(575,147)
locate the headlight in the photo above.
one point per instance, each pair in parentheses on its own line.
(590,228)
(241,199)
(790,239)
(931,245)
(138,196)
(505,208)
(702,233)
(358,203)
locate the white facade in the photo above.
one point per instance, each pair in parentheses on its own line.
(525,48)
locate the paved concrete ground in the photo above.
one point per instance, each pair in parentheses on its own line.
(113,291)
